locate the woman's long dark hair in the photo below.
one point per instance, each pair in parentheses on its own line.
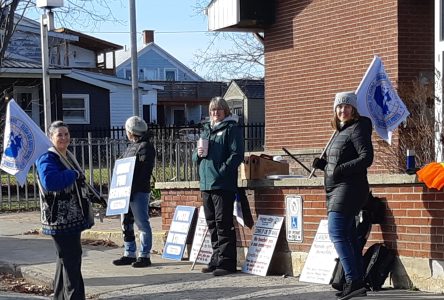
(336,124)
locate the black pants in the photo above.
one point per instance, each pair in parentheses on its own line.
(218,208)
(68,280)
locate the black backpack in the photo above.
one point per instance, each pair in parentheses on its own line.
(372,213)
(363,230)
(378,263)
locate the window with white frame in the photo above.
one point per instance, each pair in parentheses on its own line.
(76,108)
(170,75)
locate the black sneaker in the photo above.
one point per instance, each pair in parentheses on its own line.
(208,269)
(124,261)
(142,262)
(353,289)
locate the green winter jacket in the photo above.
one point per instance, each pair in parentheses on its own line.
(218,170)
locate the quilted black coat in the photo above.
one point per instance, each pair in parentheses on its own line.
(348,156)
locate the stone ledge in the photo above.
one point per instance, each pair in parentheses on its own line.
(379,179)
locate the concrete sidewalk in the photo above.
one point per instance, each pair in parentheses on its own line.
(33,256)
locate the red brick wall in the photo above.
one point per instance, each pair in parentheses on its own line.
(318,48)
(414,225)
(416,39)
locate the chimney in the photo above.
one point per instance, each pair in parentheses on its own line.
(148,36)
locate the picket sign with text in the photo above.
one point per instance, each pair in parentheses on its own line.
(201,253)
(120,188)
(321,260)
(263,243)
(178,233)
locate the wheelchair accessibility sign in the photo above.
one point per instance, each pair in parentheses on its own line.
(294,215)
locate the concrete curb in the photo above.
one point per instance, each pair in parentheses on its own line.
(28,273)
(116,237)
(159,238)
(6,267)
(33,275)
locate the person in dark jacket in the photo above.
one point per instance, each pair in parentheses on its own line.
(143,150)
(65,211)
(345,165)
(218,183)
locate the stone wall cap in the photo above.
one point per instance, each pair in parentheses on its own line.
(380,179)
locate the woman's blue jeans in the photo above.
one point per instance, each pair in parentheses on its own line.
(342,231)
(138,212)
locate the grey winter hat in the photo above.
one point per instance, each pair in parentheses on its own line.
(136,125)
(346,98)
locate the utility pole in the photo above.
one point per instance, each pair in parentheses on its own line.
(45,20)
(134,65)
(46,25)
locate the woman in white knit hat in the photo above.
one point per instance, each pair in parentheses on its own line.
(138,212)
(345,165)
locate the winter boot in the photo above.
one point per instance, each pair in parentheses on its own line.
(353,289)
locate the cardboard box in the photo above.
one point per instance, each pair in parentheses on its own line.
(259,167)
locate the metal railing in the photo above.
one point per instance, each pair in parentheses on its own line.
(97,157)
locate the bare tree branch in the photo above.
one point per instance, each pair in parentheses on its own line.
(8,9)
(419,131)
(244,59)
(88,13)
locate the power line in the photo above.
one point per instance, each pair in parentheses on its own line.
(140,32)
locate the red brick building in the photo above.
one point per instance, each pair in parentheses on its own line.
(314,49)
(318,48)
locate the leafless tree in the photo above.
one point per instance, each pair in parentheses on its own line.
(418,133)
(8,9)
(243,59)
(89,13)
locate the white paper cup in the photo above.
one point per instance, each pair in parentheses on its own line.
(203,144)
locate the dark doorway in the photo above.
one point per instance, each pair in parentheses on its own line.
(147,113)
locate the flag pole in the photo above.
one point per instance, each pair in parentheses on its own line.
(80,171)
(323,153)
(297,160)
(366,73)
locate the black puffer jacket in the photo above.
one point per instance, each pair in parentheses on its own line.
(145,155)
(348,156)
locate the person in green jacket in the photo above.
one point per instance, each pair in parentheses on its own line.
(218,167)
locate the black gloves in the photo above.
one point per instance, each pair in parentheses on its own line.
(101,201)
(80,179)
(80,176)
(319,163)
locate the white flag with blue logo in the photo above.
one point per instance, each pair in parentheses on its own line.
(378,100)
(23,143)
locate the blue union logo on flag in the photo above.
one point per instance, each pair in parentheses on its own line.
(382,102)
(20,147)
(378,100)
(23,143)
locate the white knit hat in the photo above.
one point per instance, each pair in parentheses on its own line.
(346,98)
(136,125)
